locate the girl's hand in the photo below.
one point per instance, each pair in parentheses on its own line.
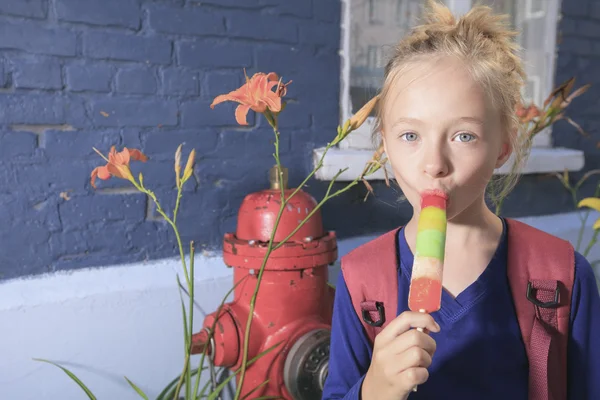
(401,356)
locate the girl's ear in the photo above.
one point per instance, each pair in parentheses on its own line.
(505,153)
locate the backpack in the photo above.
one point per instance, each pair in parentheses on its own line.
(540,270)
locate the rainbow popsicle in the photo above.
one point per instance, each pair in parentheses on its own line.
(425,293)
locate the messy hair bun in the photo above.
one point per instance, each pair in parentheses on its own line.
(485,43)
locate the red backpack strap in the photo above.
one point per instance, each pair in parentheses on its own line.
(371,275)
(541,270)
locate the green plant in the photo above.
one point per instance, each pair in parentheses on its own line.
(589,202)
(256,94)
(534,120)
(583,208)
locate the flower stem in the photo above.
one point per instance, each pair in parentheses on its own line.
(262,267)
(177,202)
(188,335)
(271,247)
(583,220)
(317,207)
(175,230)
(189,276)
(591,243)
(183,374)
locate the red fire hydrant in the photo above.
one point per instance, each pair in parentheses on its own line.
(294,302)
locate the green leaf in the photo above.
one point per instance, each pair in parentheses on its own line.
(137,389)
(72,376)
(187,339)
(255,389)
(169,390)
(213,395)
(211,332)
(188,377)
(201,394)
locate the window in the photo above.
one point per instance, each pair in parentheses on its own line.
(376,13)
(364,52)
(368,43)
(405,14)
(536,20)
(374,57)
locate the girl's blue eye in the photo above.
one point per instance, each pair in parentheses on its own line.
(465,137)
(410,136)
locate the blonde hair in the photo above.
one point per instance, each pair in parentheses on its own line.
(484,42)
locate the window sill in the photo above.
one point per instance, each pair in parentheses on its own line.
(541,160)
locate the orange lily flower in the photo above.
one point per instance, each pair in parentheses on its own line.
(256,94)
(527,114)
(117,165)
(521,111)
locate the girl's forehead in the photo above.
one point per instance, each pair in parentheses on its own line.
(435,89)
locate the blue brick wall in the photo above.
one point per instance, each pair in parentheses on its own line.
(142,73)
(579,56)
(77,74)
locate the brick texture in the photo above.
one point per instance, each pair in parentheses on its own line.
(579,57)
(28,8)
(121,13)
(79,74)
(83,74)
(37,73)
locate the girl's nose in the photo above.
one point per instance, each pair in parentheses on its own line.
(436,164)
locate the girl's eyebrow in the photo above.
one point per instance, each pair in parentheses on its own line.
(473,120)
(415,121)
(404,120)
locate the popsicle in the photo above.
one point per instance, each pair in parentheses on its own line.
(425,293)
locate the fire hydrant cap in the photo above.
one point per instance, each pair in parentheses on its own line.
(258,213)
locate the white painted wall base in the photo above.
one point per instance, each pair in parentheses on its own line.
(105,323)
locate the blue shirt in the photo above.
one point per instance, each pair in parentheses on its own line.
(479,353)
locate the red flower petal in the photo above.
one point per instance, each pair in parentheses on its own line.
(103,172)
(100,172)
(137,155)
(240,114)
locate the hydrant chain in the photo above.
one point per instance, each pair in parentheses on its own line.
(211,360)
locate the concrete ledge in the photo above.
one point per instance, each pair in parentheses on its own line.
(541,160)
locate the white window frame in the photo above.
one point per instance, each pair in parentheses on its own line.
(357,149)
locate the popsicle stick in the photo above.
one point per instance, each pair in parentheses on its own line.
(420,330)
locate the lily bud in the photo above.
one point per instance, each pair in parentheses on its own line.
(189,167)
(178,165)
(594,204)
(361,116)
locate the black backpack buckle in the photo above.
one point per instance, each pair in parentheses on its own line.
(548,304)
(367,307)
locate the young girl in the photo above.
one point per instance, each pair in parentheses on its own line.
(447,120)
